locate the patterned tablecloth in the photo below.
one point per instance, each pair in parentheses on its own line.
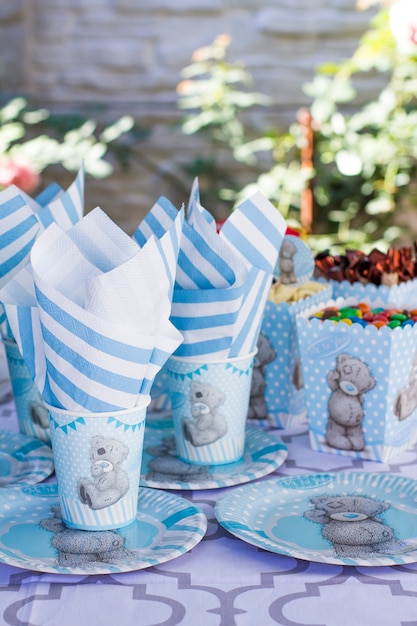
(223,581)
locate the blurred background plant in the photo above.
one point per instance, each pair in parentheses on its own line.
(361,174)
(215,91)
(32,139)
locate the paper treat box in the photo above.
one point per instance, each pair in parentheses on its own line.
(403,294)
(284,393)
(277,395)
(359,371)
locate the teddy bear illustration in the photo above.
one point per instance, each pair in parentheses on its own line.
(206,425)
(286,262)
(297,375)
(265,354)
(351,524)
(406,400)
(110,481)
(167,466)
(39,414)
(349,382)
(84,548)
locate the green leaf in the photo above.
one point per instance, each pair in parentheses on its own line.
(114,131)
(379,205)
(348,163)
(12,109)
(9,133)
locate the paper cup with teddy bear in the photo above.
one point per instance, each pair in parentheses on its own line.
(97,460)
(210,401)
(32,415)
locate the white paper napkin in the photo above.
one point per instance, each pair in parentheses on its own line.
(98,331)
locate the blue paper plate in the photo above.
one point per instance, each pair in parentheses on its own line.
(161,468)
(350,518)
(23,459)
(33,537)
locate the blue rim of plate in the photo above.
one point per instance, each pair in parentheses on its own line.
(161,468)
(23,459)
(270,514)
(32,536)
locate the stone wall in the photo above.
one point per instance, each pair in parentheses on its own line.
(128,55)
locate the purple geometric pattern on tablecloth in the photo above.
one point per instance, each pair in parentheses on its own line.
(224,581)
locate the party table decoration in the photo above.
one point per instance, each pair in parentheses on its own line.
(32,414)
(33,536)
(221,286)
(222,279)
(162,469)
(278,394)
(343,518)
(385,276)
(358,364)
(22,219)
(23,459)
(164,223)
(90,314)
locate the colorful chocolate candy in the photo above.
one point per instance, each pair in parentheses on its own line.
(364,315)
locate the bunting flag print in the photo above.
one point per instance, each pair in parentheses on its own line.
(201,369)
(76,423)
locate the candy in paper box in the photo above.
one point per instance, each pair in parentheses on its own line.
(378,276)
(277,393)
(361,384)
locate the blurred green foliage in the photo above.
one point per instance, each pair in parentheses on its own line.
(35,137)
(364,175)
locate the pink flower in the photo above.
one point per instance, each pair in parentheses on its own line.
(403,23)
(219,224)
(19,174)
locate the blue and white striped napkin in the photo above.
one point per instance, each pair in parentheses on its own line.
(163,222)
(209,290)
(223,280)
(195,207)
(93,326)
(22,218)
(254,231)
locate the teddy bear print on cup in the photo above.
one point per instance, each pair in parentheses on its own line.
(39,414)
(110,481)
(207,424)
(265,354)
(166,466)
(349,381)
(352,525)
(406,400)
(84,548)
